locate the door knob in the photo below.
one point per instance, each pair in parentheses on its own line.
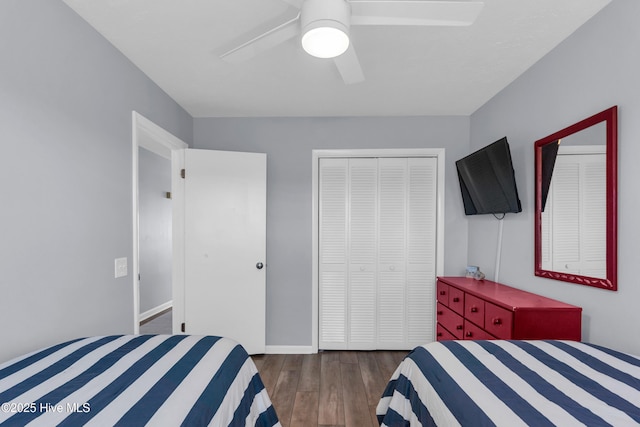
(259,266)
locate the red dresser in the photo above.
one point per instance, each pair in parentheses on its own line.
(481,309)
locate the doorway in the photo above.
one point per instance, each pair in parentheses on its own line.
(154,244)
(241,202)
(158,145)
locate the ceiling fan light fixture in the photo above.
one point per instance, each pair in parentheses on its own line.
(325,27)
(325,39)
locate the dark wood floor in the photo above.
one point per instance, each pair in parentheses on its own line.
(331,388)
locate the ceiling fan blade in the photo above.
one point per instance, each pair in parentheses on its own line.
(296,3)
(265,41)
(414,12)
(349,66)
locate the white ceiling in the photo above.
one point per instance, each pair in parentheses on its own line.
(408,70)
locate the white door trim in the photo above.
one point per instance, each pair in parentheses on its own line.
(152,137)
(316,155)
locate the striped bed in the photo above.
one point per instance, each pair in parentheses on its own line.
(513,383)
(135,380)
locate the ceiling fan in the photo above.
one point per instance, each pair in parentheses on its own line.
(324,26)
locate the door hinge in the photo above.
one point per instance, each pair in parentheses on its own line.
(182,327)
(168,194)
(182,173)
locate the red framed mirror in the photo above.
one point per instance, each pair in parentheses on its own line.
(576,233)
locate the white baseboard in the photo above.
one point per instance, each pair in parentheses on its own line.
(289,349)
(150,313)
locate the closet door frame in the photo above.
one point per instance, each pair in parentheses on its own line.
(438,153)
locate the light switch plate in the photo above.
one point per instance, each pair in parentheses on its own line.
(121,267)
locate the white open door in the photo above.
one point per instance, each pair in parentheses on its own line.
(225,246)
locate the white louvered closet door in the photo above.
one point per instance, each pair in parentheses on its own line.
(392,243)
(421,250)
(377,241)
(332,253)
(362,253)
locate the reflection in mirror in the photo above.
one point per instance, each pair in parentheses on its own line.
(575,203)
(549,154)
(574,215)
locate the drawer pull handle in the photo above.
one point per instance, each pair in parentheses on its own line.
(443,292)
(456,299)
(439,334)
(469,334)
(439,312)
(474,309)
(497,321)
(459,327)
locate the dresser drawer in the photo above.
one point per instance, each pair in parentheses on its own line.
(451,321)
(456,300)
(474,332)
(442,334)
(498,321)
(474,309)
(442,293)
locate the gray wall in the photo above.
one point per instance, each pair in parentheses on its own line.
(66,97)
(288,143)
(154,219)
(596,68)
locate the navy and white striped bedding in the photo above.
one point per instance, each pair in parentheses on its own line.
(513,383)
(135,380)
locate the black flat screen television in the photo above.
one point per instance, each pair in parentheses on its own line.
(487,181)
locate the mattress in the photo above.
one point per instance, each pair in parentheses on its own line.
(513,383)
(135,380)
